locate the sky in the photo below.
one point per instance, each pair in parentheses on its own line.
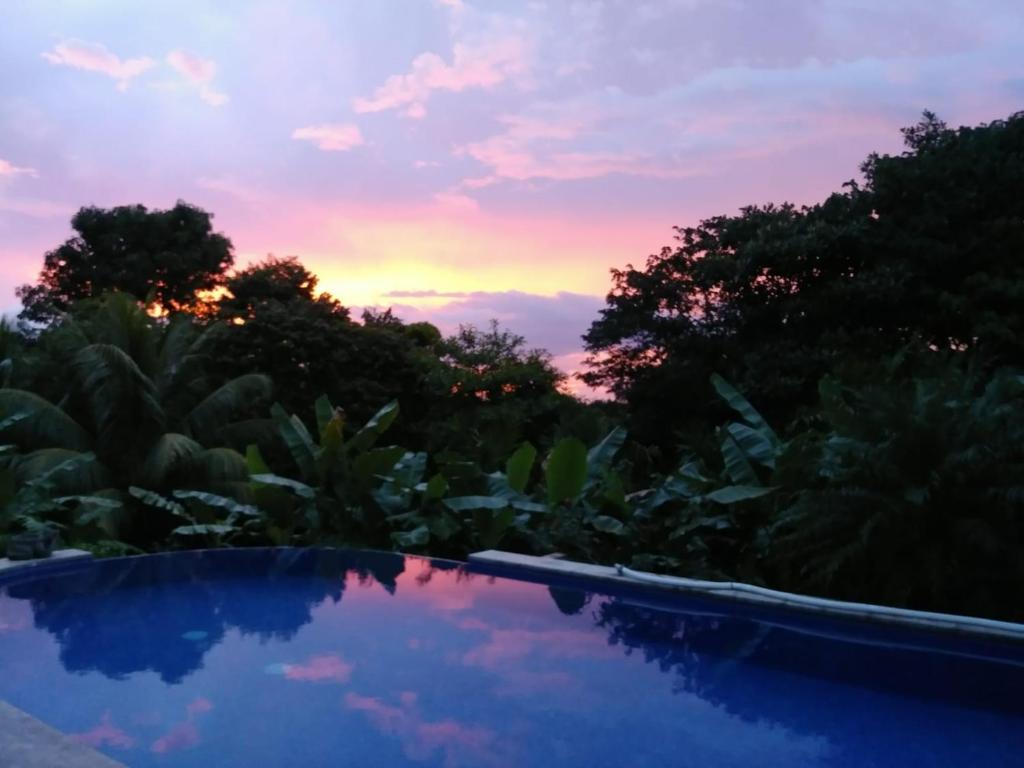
(461,160)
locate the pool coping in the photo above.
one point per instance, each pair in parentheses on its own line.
(56,558)
(26,742)
(750,594)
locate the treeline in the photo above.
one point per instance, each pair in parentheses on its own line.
(154,397)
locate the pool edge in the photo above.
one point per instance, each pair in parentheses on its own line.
(951,623)
(57,558)
(27,742)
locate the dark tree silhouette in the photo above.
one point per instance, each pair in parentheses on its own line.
(162,258)
(925,253)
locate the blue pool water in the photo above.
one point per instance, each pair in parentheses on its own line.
(323,658)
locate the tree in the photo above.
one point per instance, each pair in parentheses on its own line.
(925,255)
(273,280)
(163,258)
(277,325)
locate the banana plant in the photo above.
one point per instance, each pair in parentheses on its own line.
(347,487)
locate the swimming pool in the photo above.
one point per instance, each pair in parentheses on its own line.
(329,658)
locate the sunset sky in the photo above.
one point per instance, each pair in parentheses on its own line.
(468,159)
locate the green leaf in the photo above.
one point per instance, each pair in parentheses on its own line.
(600,457)
(742,406)
(409,469)
(222,502)
(607,524)
(298,441)
(566,470)
(40,423)
(152,499)
(375,427)
(324,414)
(299,489)
(491,525)
(754,444)
(736,465)
(217,408)
(210,529)
(436,487)
(376,464)
(525,505)
(91,501)
(732,494)
(463,503)
(254,461)
(417,537)
(518,466)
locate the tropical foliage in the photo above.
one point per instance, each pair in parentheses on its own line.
(878,334)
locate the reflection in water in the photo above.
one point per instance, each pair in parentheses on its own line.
(375,659)
(105,734)
(569,601)
(460,744)
(116,636)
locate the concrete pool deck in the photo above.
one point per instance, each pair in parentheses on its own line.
(29,743)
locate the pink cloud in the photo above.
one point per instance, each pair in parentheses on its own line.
(8,168)
(181,736)
(330,668)
(456,200)
(506,645)
(460,743)
(15,615)
(200,73)
(482,65)
(94,57)
(198,707)
(336,137)
(185,734)
(105,734)
(526,150)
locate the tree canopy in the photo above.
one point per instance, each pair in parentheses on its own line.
(926,254)
(163,258)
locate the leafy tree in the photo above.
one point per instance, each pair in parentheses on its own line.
(282,281)
(490,392)
(927,252)
(277,325)
(165,258)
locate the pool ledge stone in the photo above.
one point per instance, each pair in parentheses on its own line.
(935,622)
(8,566)
(29,743)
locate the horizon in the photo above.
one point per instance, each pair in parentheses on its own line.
(471,160)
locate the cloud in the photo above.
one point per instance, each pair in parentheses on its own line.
(456,201)
(9,169)
(554,323)
(331,137)
(35,208)
(456,743)
(484,64)
(533,146)
(94,57)
(330,668)
(200,73)
(104,734)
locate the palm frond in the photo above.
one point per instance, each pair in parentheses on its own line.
(122,399)
(42,424)
(168,454)
(218,408)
